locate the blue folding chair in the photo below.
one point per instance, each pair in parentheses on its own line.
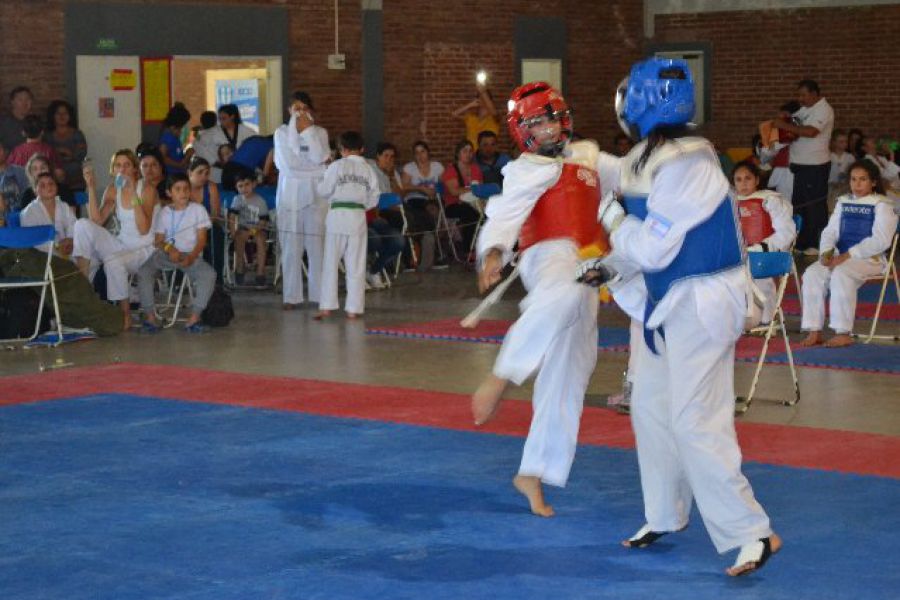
(798,224)
(764,265)
(29,237)
(442,224)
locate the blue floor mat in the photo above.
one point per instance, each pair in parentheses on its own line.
(879,358)
(123,497)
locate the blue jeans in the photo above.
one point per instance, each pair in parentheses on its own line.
(386,242)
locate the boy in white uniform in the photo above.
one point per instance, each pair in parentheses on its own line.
(549,205)
(351,187)
(852,250)
(681,235)
(48,209)
(301,154)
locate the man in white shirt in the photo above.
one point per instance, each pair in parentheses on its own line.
(810,162)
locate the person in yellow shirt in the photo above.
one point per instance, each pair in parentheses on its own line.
(479,115)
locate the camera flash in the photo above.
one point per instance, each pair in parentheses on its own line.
(481,77)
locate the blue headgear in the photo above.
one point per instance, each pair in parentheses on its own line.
(658,92)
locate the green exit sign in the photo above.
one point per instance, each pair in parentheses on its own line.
(107,44)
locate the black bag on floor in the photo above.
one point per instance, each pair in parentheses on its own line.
(18,312)
(219,311)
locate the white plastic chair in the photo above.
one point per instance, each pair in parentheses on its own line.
(764,265)
(29,237)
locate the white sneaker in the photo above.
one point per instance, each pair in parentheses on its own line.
(375,281)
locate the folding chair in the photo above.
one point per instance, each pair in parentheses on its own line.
(392,201)
(228,259)
(29,237)
(442,222)
(483,191)
(763,265)
(179,301)
(798,224)
(890,272)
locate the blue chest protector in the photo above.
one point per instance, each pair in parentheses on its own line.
(857,221)
(711,247)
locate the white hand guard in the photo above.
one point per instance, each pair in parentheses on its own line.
(593,272)
(610,214)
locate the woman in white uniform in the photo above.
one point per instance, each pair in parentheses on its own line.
(681,235)
(135,206)
(301,155)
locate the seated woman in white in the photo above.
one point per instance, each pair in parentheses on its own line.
(851,250)
(767,224)
(48,209)
(135,206)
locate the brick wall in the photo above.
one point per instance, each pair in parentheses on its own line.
(757,59)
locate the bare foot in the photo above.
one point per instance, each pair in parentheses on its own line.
(813,339)
(839,341)
(486,399)
(754,563)
(530,487)
(322,314)
(289,306)
(351,315)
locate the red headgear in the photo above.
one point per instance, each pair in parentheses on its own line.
(529,103)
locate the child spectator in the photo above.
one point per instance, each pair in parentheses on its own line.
(882,156)
(766,224)
(204,139)
(180,235)
(248,217)
(351,187)
(48,209)
(175,158)
(33,129)
(852,249)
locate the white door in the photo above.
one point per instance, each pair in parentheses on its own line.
(694,59)
(109,107)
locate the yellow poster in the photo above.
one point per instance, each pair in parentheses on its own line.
(121,80)
(156,88)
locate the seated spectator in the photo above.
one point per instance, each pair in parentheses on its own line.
(36,165)
(175,158)
(179,238)
(420,179)
(777,154)
(767,224)
(69,143)
(478,115)
(204,143)
(459,202)
(13,182)
(135,204)
(622,144)
(48,209)
(153,172)
(33,129)
(231,130)
(851,250)
(206,193)
(854,142)
(385,241)
(248,218)
(20,102)
(489,160)
(257,154)
(882,156)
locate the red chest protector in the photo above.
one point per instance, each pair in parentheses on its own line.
(568,210)
(756,224)
(783,158)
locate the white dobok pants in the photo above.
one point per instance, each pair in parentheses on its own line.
(555,336)
(352,248)
(842,282)
(301,229)
(682,411)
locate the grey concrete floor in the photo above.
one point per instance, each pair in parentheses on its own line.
(265,340)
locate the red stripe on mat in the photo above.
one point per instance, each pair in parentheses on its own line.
(864,310)
(844,451)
